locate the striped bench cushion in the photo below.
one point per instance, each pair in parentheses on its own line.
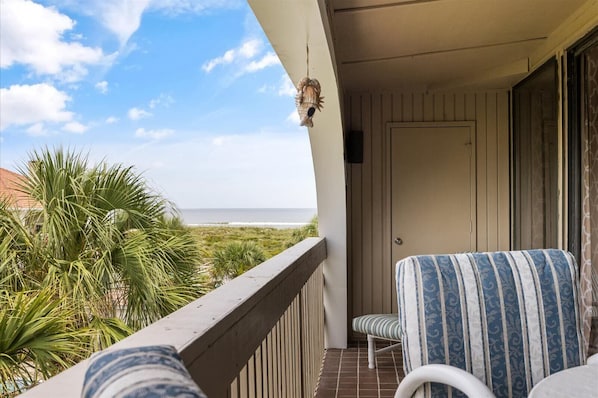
(151,371)
(510,318)
(380,325)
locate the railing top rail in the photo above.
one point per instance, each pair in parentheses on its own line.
(235,317)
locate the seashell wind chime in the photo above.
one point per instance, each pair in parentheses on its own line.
(308,98)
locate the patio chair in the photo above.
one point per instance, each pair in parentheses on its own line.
(378,326)
(488,324)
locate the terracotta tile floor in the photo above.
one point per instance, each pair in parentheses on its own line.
(345,373)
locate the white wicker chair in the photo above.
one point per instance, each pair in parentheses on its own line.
(378,326)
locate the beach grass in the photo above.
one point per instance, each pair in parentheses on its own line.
(213,238)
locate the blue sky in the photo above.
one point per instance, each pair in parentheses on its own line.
(190,92)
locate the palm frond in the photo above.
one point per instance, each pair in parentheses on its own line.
(236,258)
(103,247)
(106,331)
(37,337)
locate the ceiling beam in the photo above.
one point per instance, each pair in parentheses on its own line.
(452,50)
(509,71)
(381,5)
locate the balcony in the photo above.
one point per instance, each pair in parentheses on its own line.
(261,334)
(345,373)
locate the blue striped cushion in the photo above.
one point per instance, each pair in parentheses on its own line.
(151,371)
(381,325)
(510,318)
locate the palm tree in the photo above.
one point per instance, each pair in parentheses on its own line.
(305,231)
(234,259)
(37,338)
(107,247)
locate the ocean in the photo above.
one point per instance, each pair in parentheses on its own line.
(275,218)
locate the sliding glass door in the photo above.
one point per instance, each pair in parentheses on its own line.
(583,172)
(535,160)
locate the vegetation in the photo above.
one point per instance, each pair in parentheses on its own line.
(306,231)
(37,337)
(234,259)
(212,238)
(230,251)
(101,257)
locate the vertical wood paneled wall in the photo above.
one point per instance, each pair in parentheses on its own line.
(371,273)
(287,363)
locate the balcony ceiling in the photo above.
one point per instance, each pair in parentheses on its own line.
(441,44)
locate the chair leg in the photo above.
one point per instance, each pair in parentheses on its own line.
(371,352)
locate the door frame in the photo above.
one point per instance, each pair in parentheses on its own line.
(387,161)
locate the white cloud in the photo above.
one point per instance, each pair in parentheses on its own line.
(208,170)
(37,129)
(153,134)
(121,17)
(32,35)
(72,75)
(75,127)
(163,100)
(294,118)
(247,50)
(77,36)
(250,48)
(270,59)
(30,104)
(176,7)
(283,88)
(111,120)
(220,140)
(102,86)
(249,57)
(236,170)
(287,88)
(138,113)
(211,64)
(248,170)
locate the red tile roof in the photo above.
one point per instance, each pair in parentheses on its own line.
(10,183)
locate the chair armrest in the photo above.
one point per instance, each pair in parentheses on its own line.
(592,360)
(445,374)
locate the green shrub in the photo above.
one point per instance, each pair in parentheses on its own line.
(306,231)
(234,259)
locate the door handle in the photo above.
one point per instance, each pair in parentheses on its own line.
(398,241)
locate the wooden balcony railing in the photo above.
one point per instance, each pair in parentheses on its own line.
(259,335)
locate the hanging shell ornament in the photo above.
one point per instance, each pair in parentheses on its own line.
(308,100)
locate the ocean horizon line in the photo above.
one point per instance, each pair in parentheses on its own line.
(250,224)
(247,208)
(265,217)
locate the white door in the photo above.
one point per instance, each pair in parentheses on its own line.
(433,194)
